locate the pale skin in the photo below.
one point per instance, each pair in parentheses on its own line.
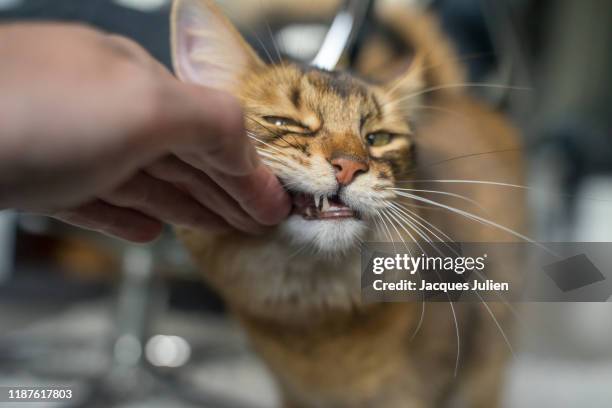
(95,132)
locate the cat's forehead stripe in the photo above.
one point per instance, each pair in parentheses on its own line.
(337,82)
(377,107)
(296,97)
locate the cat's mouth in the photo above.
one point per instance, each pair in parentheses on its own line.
(321,207)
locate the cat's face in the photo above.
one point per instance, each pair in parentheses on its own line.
(334,142)
(337,144)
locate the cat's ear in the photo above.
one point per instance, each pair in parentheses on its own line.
(407,84)
(206,47)
(430,68)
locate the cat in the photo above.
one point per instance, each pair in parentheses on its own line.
(342,143)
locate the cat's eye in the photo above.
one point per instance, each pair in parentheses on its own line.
(283,122)
(379,139)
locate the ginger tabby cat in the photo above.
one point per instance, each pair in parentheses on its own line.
(341,142)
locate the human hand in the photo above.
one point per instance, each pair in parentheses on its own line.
(95,132)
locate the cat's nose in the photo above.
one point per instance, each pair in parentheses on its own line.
(348,169)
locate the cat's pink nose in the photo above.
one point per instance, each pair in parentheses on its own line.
(348,169)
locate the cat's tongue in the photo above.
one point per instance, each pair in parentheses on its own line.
(312,207)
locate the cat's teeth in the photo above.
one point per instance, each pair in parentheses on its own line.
(318,201)
(325,205)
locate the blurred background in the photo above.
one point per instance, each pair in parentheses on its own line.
(133,326)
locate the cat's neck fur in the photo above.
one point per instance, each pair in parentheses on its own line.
(277,280)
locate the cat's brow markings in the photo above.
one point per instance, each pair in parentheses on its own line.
(364,119)
(341,86)
(368,116)
(377,106)
(337,82)
(296,97)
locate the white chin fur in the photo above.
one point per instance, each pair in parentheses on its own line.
(329,236)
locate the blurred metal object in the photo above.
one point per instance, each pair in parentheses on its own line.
(343,34)
(143,5)
(301,41)
(136,304)
(167,351)
(8,4)
(8,224)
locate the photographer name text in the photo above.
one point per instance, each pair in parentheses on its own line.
(410,265)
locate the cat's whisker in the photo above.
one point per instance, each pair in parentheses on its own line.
(452,86)
(278,66)
(400,217)
(381,228)
(288,186)
(274,164)
(417,230)
(267,153)
(445,239)
(487,182)
(384,228)
(422,317)
(273,156)
(416,217)
(501,184)
(263,46)
(254,137)
(279,135)
(407,232)
(452,307)
(396,207)
(399,235)
(377,228)
(443,110)
(280,166)
(475,217)
(278,155)
(422,207)
(492,315)
(269,163)
(445,193)
(274,44)
(285,164)
(388,231)
(501,330)
(278,160)
(425,68)
(489,311)
(465,156)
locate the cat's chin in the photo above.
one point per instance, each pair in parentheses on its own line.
(327,237)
